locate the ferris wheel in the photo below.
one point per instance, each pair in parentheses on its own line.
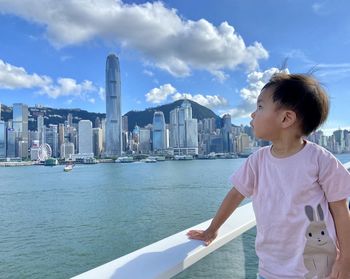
(44,152)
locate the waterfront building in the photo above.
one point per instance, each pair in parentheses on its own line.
(97,141)
(103,127)
(85,137)
(41,129)
(34,150)
(227,134)
(125,123)
(183,130)
(61,134)
(33,136)
(97,122)
(3,139)
(67,150)
(51,136)
(20,126)
(113,139)
(347,140)
(173,126)
(158,137)
(339,139)
(135,139)
(11,143)
(191,133)
(70,119)
(125,141)
(209,125)
(243,143)
(216,143)
(145,140)
(22,148)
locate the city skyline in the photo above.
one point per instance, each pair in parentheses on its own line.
(170,50)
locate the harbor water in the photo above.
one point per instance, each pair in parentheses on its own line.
(58,224)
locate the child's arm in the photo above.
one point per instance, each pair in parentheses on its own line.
(229,204)
(341,217)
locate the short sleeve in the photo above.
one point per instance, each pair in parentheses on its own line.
(334,178)
(244,178)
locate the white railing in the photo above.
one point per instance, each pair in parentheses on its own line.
(171,255)
(347,166)
(174,254)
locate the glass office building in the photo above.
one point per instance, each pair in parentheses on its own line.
(113,139)
(159,142)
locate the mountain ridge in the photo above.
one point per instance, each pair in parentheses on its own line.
(141,118)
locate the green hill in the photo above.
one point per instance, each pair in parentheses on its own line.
(141,118)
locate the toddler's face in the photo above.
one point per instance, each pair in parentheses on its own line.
(265,120)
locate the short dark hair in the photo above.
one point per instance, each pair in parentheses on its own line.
(304,95)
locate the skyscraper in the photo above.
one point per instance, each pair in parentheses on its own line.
(113,108)
(159,131)
(41,129)
(20,125)
(85,137)
(183,129)
(51,138)
(3,139)
(226,133)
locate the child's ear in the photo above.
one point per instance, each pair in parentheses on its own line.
(289,117)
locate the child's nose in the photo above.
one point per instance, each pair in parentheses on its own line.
(252,115)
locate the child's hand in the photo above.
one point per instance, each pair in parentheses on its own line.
(341,270)
(207,236)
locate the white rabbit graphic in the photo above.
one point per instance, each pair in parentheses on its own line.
(320,252)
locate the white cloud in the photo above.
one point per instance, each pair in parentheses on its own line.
(209,101)
(102,93)
(148,73)
(158,95)
(324,7)
(13,77)
(249,94)
(164,37)
(333,72)
(220,75)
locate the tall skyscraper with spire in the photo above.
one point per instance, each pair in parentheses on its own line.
(113,138)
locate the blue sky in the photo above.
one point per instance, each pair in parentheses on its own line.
(218,53)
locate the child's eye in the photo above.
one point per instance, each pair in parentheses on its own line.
(259,106)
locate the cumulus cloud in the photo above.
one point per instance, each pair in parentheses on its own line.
(102,93)
(164,37)
(249,94)
(158,95)
(13,77)
(161,94)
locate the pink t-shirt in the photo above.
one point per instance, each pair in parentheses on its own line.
(296,235)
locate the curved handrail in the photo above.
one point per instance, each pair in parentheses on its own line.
(171,255)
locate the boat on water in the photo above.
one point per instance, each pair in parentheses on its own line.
(68,168)
(124,160)
(149,160)
(158,158)
(183,157)
(51,162)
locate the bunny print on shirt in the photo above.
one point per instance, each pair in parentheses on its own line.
(320,251)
